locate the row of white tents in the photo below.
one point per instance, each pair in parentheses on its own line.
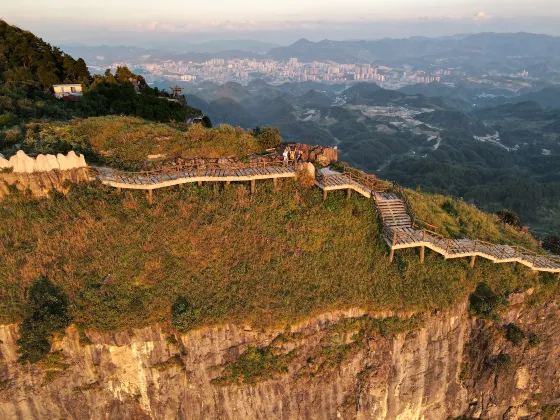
(21,163)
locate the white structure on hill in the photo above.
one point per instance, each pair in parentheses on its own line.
(21,163)
(70,89)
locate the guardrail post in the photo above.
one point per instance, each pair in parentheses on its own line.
(423,248)
(348,193)
(252,186)
(393,243)
(150,196)
(535,260)
(473,259)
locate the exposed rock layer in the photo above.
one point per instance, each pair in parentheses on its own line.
(444,369)
(40,184)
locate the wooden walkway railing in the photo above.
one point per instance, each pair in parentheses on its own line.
(189,169)
(418,234)
(350,179)
(423,235)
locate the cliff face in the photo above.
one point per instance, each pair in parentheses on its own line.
(446,368)
(39,184)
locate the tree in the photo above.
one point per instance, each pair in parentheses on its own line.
(206,122)
(268,137)
(123,74)
(552,243)
(509,217)
(183,315)
(44,313)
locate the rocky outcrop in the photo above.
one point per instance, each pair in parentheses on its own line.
(40,184)
(21,163)
(324,156)
(445,368)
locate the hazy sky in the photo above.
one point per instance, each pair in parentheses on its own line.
(277,20)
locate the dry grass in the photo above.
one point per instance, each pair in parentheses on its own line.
(131,139)
(268,259)
(458,219)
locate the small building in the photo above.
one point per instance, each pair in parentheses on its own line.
(69,89)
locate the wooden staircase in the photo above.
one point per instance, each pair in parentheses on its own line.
(400,232)
(392,210)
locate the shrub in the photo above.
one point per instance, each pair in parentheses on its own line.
(552,243)
(514,334)
(449,207)
(508,217)
(254,364)
(534,340)
(268,137)
(485,303)
(44,313)
(183,315)
(502,363)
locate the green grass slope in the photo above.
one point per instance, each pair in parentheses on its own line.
(268,259)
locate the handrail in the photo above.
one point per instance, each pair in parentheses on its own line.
(448,245)
(368,181)
(399,191)
(422,225)
(190,166)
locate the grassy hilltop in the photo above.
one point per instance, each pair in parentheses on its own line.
(267,259)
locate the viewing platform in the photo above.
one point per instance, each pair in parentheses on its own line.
(350,180)
(195,172)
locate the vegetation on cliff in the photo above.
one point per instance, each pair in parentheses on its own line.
(267,259)
(128,141)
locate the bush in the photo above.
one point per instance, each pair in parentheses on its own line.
(253,365)
(44,313)
(183,315)
(268,137)
(514,334)
(485,303)
(552,243)
(534,340)
(449,207)
(508,217)
(502,363)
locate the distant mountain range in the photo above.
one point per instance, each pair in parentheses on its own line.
(474,54)
(455,51)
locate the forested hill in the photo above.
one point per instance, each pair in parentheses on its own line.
(24,57)
(29,67)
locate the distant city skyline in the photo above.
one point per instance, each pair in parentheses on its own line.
(153,24)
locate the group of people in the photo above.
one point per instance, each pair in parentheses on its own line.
(292,155)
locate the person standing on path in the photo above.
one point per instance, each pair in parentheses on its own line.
(285,156)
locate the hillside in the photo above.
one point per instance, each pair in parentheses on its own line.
(127,142)
(267,259)
(25,58)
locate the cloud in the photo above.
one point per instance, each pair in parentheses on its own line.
(156,26)
(481,16)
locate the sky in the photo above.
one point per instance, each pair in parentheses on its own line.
(156,22)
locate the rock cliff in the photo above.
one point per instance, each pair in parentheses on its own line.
(445,368)
(40,184)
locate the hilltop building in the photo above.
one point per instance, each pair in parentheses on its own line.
(69,89)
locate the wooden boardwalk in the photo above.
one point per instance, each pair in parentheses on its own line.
(400,232)
(350,180)
(400,229)
(167,177)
